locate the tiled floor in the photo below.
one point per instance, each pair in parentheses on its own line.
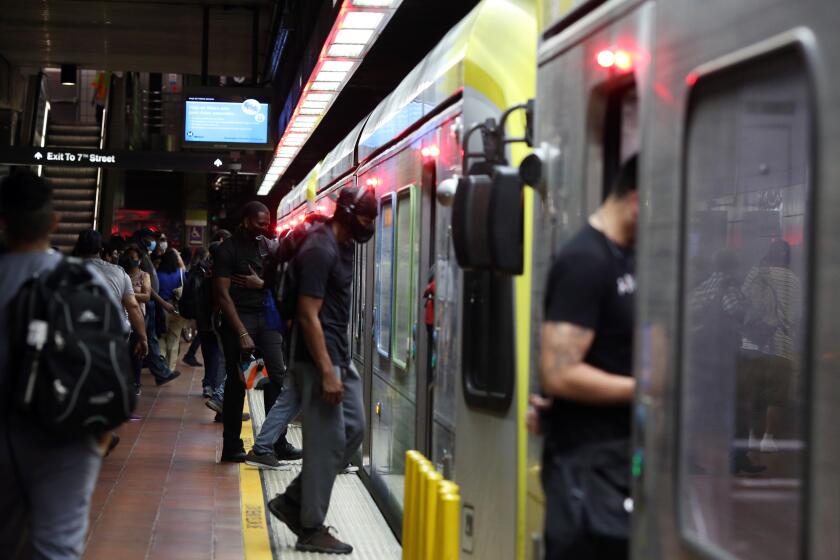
(161,494)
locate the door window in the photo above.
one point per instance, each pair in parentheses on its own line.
(741,461)
(384,280)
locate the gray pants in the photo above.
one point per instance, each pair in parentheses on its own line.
(331,435)
(46,485)
(285,408)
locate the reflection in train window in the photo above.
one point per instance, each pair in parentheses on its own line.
(741,463)
(384,280)
(403,288)
(359,290)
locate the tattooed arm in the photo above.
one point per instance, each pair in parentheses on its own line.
(564,374)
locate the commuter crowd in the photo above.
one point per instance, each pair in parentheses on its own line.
(267,314)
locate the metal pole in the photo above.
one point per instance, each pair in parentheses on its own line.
(205,44)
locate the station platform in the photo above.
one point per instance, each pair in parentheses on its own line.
(162,494)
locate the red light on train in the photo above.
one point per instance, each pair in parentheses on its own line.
(621,60)
(430,152)
(372,182)
(606,59)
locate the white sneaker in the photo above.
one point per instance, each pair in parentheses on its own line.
(768,444)
(753,444)
(350,469)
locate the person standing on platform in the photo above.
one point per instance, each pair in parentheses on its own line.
(142,285)
(586,370)
(46,481)
(241,293)
(330,387)
(172,280)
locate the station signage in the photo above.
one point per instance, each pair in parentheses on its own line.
(199,162)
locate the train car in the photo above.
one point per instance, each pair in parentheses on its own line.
(731,107)
(455,389)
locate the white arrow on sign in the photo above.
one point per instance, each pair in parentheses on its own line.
(218,162)
(38,155)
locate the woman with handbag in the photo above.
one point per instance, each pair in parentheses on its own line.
(172,279)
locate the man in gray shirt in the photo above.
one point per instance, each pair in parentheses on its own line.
(46,482)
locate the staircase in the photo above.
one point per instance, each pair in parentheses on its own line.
(74,188)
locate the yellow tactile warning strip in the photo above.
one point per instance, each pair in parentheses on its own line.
(254,526)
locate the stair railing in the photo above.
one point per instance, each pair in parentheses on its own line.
(103,139)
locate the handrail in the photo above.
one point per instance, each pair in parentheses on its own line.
(103,139)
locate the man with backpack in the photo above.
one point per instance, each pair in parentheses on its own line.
(47,473)
(238,270)
(317,292)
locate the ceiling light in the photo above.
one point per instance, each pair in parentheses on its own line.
(324,76)
(319,97)
(362,20)
(325,86)
(353,36)
(350,51)
(287,151)
(337,65)
(321,105)
(311,111)
(373,3)
(295,139)
(68,74)
(306,119)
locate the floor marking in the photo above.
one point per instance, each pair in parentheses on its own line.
(257,545)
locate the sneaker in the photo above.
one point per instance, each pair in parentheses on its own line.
(191,361)
(214,405)
(137,390)
(262,461)
(350,469)
(286,512)
(115,441)
(321,540)
(287,452)
(768,444)
(175,375)
(207,392)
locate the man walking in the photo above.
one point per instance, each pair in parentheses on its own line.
(586,367)
(330,387)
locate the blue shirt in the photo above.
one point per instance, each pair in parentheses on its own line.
(169,281)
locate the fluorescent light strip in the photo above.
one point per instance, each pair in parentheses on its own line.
(349,51)
(319,97)
(315,105)
(373,3)
(362,20)
(325,86)
(337,65)
(353,36)
(324,76)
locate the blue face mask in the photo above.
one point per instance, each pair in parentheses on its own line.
(152,244)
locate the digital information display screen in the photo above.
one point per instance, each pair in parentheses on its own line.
(224,122)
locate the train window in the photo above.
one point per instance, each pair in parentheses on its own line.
(742,430)
(359,300)
(384,279)
(403,279)
(615,134)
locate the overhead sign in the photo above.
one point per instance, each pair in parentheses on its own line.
(123,159)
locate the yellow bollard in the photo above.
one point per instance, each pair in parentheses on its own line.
(448,527)
(412,461)
(430,499)
(419,513)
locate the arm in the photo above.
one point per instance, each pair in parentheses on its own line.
(221,285)
(168,307)
(135,317)
(145,291)
(564,374)
(332,390)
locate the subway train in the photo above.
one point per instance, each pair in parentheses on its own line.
(494,150)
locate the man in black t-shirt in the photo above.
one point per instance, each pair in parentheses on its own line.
(586,373)
(241,292)
(330,387)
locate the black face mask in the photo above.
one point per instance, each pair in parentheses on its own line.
(134,263)
(361,233)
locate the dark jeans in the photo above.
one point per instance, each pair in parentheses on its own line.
(154,361)
(211,354)
(196,341)
(136,362)
(270,343)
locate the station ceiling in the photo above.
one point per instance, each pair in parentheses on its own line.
(135,35)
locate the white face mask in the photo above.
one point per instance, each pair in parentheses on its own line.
(163,245)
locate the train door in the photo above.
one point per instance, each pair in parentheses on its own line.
(587,128)
(739,357)
(393,369)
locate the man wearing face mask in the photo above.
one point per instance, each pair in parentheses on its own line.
(238,272)
(330,387)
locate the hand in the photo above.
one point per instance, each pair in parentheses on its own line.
(532,417)
(246,343)
(250,282)
(332,389)
(141,348)
(168,307)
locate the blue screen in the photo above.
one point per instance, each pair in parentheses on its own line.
(208,120)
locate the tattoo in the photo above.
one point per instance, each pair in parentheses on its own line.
(563,345)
